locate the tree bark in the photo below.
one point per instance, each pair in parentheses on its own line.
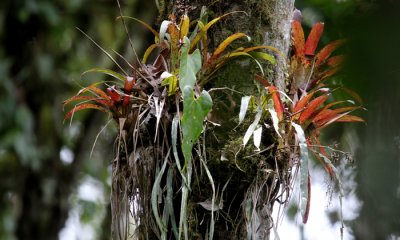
(267,23)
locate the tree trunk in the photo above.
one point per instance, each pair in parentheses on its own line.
(245,197)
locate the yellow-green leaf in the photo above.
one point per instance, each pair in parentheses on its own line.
(106,71)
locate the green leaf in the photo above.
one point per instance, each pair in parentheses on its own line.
(190,64)
(263,55)
(143,23)
(304,158)
(194,113)
(106,71)
(172,82)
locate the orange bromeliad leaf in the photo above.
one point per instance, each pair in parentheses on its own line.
(327,167)
(327,114)
(278,106)
(262,80)
(344,117)
(335,61)
(324,75)
(325,52)
(92,88)
(350,118)
(311,108)
(104,102)
(85,106)
(313,39)
(301,104)
(222,46)
(128,84)
(298,38)
(114,95)
(324,116)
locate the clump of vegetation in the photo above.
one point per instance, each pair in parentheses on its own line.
(174,174)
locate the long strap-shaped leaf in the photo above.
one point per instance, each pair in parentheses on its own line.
(304,174)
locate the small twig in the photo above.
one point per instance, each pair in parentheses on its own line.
(224,88)
(266,149)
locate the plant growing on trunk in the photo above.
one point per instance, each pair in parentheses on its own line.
(173,175)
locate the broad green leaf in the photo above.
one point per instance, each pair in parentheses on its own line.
(194,113)
(244,105)
(106,71)
(304,158)
(190,64)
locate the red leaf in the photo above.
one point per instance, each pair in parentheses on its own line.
(325,52)
(262,80)
(324,116)
(128,84)
(126,100)
(87,98)
(344,117)
(327,167)
(307,212)
(113,94)
(85,106)
(324,75)
(278,106)
(327,114)
(301,104)
(350,118)
(335,61)
(298,38)
(313,39)
(92,88)
(311,108)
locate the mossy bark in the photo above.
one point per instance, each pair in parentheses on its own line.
(267,23)
(243,180)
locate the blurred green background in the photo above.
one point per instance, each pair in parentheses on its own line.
(48,179)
